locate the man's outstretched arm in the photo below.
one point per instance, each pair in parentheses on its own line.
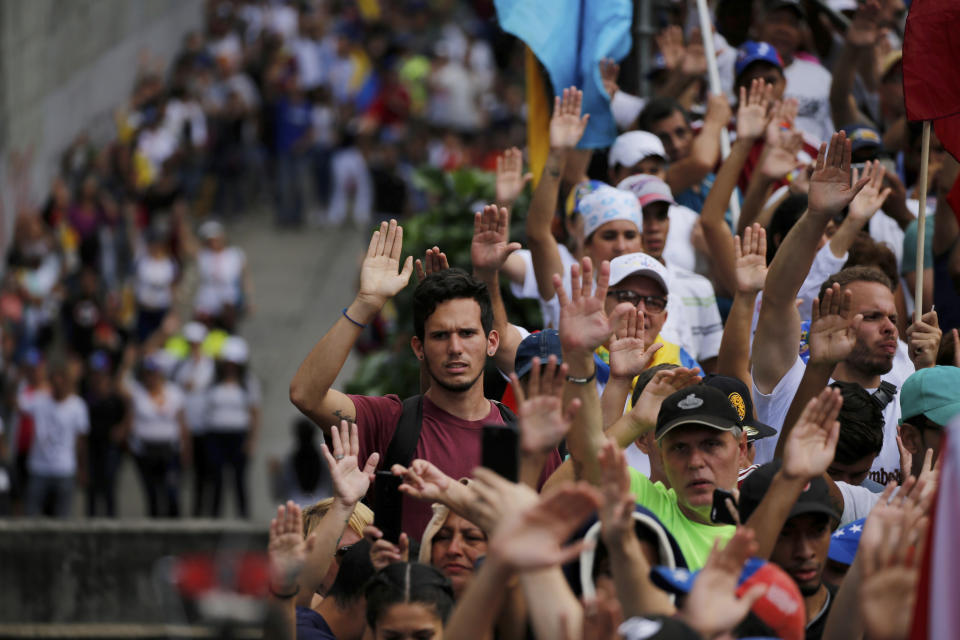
(380,280)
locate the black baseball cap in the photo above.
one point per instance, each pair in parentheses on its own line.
(815,497)
(739,396)
(542,344)
(796,5)
(697,405)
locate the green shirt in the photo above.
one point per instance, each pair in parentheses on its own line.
(695,539)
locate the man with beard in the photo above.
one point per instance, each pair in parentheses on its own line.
(454,336)
(865,318)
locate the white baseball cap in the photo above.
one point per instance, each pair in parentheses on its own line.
(210,229)
(606,204)
(648,189)
(235,350)
(638,264)
(194,332)
(633,146)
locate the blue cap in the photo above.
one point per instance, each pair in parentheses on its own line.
(863,137)
(844,542)
(542,344)
(99,361)
(751,51)
(32,357)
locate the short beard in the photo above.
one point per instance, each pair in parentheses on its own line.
(807,592)
(454,388)
(861,360)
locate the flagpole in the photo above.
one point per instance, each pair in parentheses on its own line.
(713,75)
(921,223)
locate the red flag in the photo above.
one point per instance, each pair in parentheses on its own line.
(931,75)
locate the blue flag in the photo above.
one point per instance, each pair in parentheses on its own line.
(570,38)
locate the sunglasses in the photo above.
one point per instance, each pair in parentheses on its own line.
(651,304)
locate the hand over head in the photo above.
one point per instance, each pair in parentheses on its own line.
(434,261)
(830,184)
(752,115)
(584,324)
(510,178)
(287,550)
(379,276)
(812,442)
(543,421)
(833,327)
(872,196)
(490,247)
(566,125)
(751,259)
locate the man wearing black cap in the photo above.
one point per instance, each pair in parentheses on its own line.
(802,546)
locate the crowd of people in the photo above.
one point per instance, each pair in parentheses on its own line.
(727,424)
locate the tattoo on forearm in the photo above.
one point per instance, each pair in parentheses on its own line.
(343,416)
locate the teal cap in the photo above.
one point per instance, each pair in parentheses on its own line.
(930,392)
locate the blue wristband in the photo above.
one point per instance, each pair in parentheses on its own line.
(344,312)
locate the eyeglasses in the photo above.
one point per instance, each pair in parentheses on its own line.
(651,304)
(342,551)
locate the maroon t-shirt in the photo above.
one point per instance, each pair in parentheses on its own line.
(449,442)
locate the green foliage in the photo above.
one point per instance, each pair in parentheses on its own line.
(447,223)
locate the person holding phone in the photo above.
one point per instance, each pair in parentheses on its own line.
(453,337)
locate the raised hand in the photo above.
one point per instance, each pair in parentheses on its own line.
(713,606)
(781,124)
(379,276)
(864,29)
(890,551)
(616,510)
(287,550)
(670,43)
(628,352)
(833,327)
(532,536)
(350,482)
(752,113)
(660,387)
(872,196)
(609,72)
(490,246)
(780,158)
(510,176)
(812,443)
(718,110)
(383,552)
(694,63)
(434,261)
(566,125)
(923,339)
(584,324)
(423,481)
(751,256)
(830,189)
(543,422)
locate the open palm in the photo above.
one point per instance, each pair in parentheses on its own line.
(833,327)
(872,196)
(830,189)
(584,324)
(350,481)
(812,443)
(510,176)
(543,421)
(628,352)
(490,248)
(751,259)
(752,113)
(566,125)
(380,275)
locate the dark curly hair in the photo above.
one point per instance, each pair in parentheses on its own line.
(407,582)
(449,284)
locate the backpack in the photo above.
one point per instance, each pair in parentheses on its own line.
(407,434)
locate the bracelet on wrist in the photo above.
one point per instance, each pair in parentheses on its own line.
(590,378)
(361,325)
(283,596)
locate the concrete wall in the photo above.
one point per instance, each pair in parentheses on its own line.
(64,66)
(104,571)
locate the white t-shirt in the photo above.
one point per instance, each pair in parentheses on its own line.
(550,309)
(194,377)
(772,409)
(56,427)
(693,297)
(152,422)
(679,251)
(154,281)
(809,83)
(885,230)
(857,502)
(228,405)
(220,274)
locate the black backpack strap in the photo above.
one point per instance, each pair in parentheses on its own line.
(509,417)
(403,444)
